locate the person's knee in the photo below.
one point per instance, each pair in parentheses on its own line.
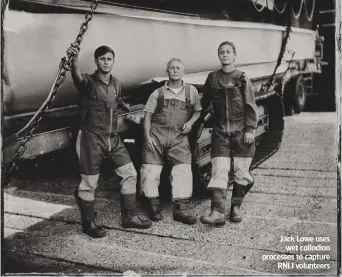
(89,182)
(182,169)
(128,188)
(127,171)
(128,176)
(221,164)
(86,194)
(150,172)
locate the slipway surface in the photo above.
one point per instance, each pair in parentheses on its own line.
(295,196)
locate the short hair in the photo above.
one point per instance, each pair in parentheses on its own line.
(227,43)
(100,51)
(174,60)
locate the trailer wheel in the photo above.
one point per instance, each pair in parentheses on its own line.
(300,95)
(294,96)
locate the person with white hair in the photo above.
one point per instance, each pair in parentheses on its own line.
(170,113)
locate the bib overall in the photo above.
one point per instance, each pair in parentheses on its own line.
(166,129)
(235,113)
(228,136)
(98,138)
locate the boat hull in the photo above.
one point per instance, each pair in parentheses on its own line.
(35,43)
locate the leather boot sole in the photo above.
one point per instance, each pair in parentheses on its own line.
(95,233)
(213,223)
(235,216)
(133,225)
(157,217)
(189,221)
(137,222)
(235,219)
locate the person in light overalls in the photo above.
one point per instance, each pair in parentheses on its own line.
(235,120)
(98,138)
(170,113)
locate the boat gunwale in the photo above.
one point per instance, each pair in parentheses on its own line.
(190,21)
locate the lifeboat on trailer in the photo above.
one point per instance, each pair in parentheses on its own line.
(144,36)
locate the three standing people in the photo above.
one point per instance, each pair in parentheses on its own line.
(170,113)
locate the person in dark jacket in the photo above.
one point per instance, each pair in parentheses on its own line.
(235,119)
(98,138)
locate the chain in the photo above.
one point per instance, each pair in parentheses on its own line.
(32,125)
(266,86)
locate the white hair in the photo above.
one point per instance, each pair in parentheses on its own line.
(174,60)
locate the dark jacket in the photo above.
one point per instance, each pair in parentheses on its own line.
(233,101)
(99,102)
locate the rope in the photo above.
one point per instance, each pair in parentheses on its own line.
(263,6)
(282,11)
(27,132)
(312,11)
(299,11)
(269,83)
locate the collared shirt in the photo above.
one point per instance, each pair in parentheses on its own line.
(104,92)
(170,94)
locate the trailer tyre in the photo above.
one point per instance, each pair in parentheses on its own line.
(295,96)
(300,95)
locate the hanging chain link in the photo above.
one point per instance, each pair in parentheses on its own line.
(270,83)
(32,125)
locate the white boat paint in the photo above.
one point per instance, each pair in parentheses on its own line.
(35,43)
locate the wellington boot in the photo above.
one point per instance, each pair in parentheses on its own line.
(154,209)
(248,187)
(180,212)
(238,194)
(215,219)
(88,214)
(92,230)
(129,214)
(235,213)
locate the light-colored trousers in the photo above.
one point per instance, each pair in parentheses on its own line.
(181,180)
(221,168)
(89,183)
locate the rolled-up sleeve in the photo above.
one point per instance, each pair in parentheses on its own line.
(196,100)
(151,103)
(251,108)
(207,95)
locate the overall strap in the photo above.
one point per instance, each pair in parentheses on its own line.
(187,96)
(160,102)
(116,88)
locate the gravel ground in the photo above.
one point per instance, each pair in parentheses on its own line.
(295,194)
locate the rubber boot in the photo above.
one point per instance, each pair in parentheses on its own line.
(180,212)
(239,192)
(218,206)
(153,209)
(248,187)
(129,213)
(88,215)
